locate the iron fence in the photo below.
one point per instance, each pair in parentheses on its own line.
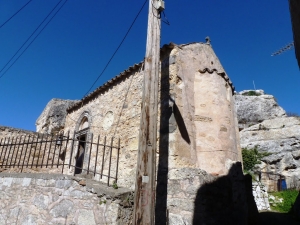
(96,156)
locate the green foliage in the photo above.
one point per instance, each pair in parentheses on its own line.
(251,93)
(289,198)
(115,185)
(251,157)
(102,202)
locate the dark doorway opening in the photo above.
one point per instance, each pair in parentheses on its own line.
(80,154)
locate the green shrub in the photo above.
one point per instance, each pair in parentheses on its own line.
(289,198)
(115,185)
(251,157)
(251,93)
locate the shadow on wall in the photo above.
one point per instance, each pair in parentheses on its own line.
(163,161)
(228,200)
(170,120)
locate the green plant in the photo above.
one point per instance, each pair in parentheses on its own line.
(251,157)
(288,199)
(251,93)
(115,185)
(102,202)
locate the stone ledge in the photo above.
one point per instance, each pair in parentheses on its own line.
(93,186)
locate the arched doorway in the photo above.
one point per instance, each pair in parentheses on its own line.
(82,140)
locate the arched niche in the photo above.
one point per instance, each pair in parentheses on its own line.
(84,121)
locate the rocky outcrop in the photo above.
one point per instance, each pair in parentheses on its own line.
(264,125)
(279,137)
(254,106)
(53,117)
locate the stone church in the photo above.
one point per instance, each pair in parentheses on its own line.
(198,156)
(197,126)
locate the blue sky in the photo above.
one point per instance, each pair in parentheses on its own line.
(72,50)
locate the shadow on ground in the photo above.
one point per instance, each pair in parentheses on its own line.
(275,218)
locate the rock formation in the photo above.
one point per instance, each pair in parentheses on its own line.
(264,125)
(53,117)
(255,106)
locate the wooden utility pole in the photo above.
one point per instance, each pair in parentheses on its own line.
(145,176)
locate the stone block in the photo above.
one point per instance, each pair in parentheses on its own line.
(86,217)
(62,209)
(26,182)
(41,201)
(63,184)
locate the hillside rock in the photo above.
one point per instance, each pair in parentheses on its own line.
(53,117)
(280,137)
(254,106)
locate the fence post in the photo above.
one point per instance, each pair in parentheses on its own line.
(109,165)
(118,160)
(91,146)
(37,138)
(45,148)
(61,140)
(96,155)
(17,150)
(28,139)
(3,147)
(13,151)
(7,158)
(71,150)
(39,150)
(64,157)
(104,145)
(51,139)
(21,150)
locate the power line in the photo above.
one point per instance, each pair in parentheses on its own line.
(30,36)
(33,38)
(116,49)
(15,13)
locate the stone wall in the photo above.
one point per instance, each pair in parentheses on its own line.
(38,199)
(193,197)
(116,112)
(10,132)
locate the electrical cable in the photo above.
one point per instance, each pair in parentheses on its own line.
(167,21)
(30,36)
(15,13)
(33,38)
(116,49)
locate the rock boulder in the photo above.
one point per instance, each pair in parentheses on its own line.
(254,106)
(53,117)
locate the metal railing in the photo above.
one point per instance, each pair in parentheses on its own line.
(56,152)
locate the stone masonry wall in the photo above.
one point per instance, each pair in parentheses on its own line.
(10,132)
(38,199)
(116,112)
